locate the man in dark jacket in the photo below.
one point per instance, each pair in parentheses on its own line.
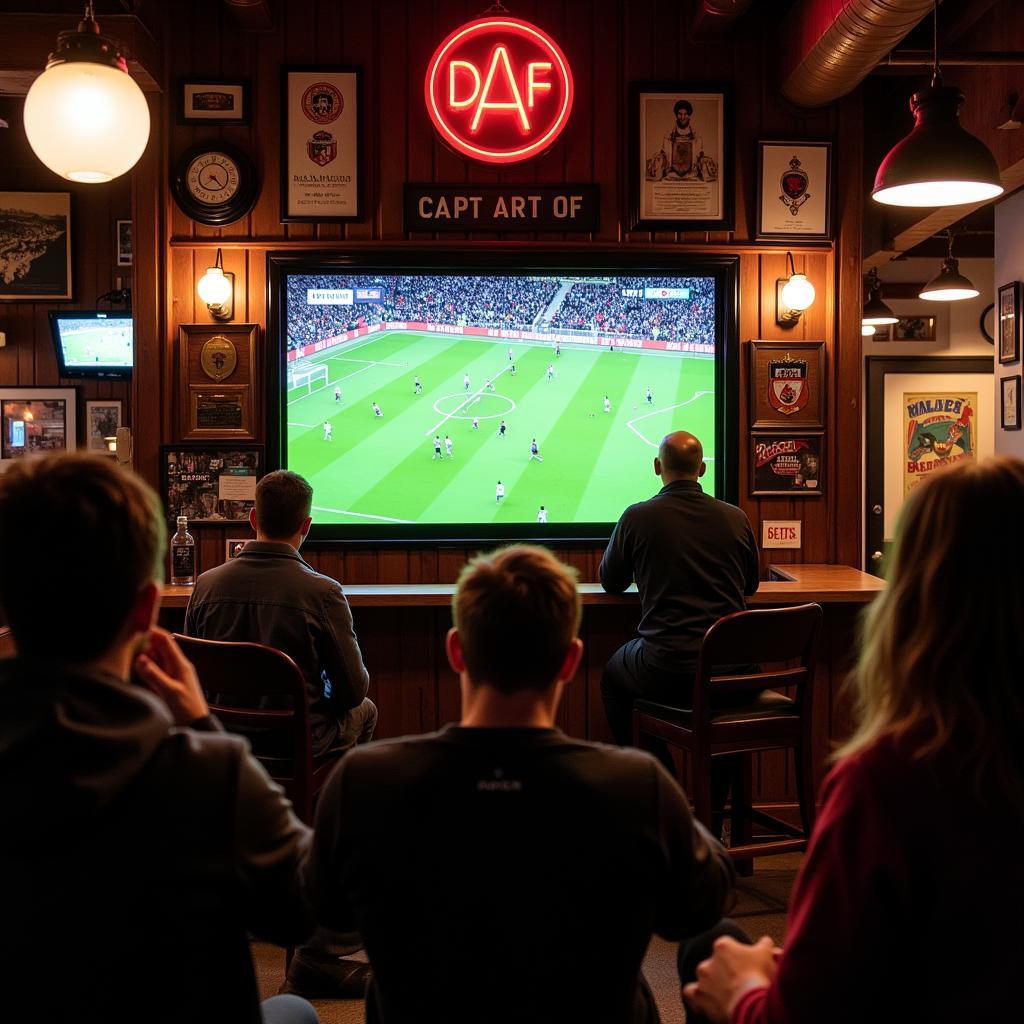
(499,870)
(140,844)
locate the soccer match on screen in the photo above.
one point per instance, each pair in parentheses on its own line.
(459,399)
(92,340)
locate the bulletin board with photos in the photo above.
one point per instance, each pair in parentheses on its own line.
(210,483)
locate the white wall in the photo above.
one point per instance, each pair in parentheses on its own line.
(1009,267)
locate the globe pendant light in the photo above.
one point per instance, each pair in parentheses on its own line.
(950,285)
(85,117)
(876,312)
(938,163)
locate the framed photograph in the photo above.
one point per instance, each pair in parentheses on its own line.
(233,547)
(794,190)
(917,327)
(1009,403)
(321,136)
(124,243)
(217,374)
(102,418)
(786,384)
(883,332)
(210,483)
(34,420)
(1009,322)
(681,166)
(35,246)
(213,101)
(789,464)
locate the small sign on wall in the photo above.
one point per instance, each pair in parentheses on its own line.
(781,533)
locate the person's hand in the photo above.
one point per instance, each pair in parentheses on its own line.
(171,676)
(733,970)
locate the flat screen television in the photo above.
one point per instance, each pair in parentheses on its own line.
(463,396)
(94,343)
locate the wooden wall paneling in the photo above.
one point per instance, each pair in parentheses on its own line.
(363,46)
(393,565)
(268,60)
(361,566)
(449,564)
(390,134)
(608,100)
(423,37)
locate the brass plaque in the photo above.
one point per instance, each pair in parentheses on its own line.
(218,358)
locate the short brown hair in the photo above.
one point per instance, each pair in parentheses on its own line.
(517,611)
(79,538)
(283,500)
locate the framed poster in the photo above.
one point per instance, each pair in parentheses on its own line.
(35,246)
(917,327)
(124,243)
(940,429)
(1009,403)
(794,190)
(233,547)
(786,384)
(210,483)
(102,418)
(321,143)
(681,166)
(789,464)
(1009,322)
(35,420)
(213,101)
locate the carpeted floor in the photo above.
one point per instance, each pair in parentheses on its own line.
(761,910)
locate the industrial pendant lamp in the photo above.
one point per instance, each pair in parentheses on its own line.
(85,117)
(938,163)
(950,285)
(876,312)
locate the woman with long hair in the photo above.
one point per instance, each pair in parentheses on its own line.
(908,905)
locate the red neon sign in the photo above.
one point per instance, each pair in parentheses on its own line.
(499,90)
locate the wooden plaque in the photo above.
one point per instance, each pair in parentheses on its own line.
(217,381)
(787,385)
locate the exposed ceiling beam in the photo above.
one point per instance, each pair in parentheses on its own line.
(26,40)
(251,15)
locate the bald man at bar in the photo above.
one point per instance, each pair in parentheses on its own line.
(694,559)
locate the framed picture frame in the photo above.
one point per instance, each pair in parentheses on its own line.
(1008,322)
(914,327)
(102,418)
(217,373)
(213,101)
(681,157)
(233,547)
(787,464)
(214,484)
(794,190)
(786,384)
(38,226)
(1009,403)
(321,144)
(124,243)
(35,420)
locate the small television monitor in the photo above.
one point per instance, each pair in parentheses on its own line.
(480,399)
(94,343)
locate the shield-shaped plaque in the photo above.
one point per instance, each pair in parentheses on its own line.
(787,385)
(794,184)
(322,148)
(218,358)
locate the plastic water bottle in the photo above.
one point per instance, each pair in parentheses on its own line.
(183,556)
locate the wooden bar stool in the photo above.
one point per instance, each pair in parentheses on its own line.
(741,713)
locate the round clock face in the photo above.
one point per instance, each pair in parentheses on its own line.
(215,184)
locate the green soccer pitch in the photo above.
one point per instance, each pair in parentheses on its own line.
(380,470)
(106,345)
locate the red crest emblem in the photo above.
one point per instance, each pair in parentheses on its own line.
(322,148)
(787,385)
(794,184)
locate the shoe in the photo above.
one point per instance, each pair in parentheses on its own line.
(326,978)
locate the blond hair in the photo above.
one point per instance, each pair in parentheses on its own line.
(942,650)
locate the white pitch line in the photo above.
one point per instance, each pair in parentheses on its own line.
(331,383)
(667,408)
(465,402)
(308,426)
(359,515)
(375,362)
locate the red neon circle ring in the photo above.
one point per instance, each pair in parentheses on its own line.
(514,88)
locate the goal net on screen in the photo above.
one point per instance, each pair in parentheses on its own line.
(304,378)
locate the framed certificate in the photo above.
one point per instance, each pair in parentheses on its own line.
(794,190)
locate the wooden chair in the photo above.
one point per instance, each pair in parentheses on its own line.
(741,713)
(255,674)
(7,648)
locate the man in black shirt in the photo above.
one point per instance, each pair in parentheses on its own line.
(694,560)
(498,870)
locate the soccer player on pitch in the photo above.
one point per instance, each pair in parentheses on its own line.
(533,451)
(542,515)
(417,387)
(448,446)
(499,492)
(648,396)
(437,448)
(376,409)
(328,431)
(337,394)
(607,404)
(551,371)
(501,429)
(465,382)
(476,422)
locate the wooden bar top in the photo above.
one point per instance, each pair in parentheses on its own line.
(826,584)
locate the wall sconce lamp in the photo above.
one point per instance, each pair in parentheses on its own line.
(217,289)
(793,295)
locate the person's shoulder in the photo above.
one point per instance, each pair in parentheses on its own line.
(726,509)
(212,578)
(199,761)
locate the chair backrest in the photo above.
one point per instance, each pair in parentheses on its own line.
(736,648)
(249,673)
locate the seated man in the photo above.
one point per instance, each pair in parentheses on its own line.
(140,844)
(694,560)
(267,594)
(499,870)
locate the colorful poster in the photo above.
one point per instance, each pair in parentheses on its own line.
(938,430)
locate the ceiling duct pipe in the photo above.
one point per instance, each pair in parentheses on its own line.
(716,17)
(828,49)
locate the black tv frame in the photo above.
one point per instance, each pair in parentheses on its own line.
(100,371)
(509,259)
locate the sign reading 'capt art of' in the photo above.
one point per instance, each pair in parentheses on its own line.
(938,432)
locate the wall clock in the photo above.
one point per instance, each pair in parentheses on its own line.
(214,183)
